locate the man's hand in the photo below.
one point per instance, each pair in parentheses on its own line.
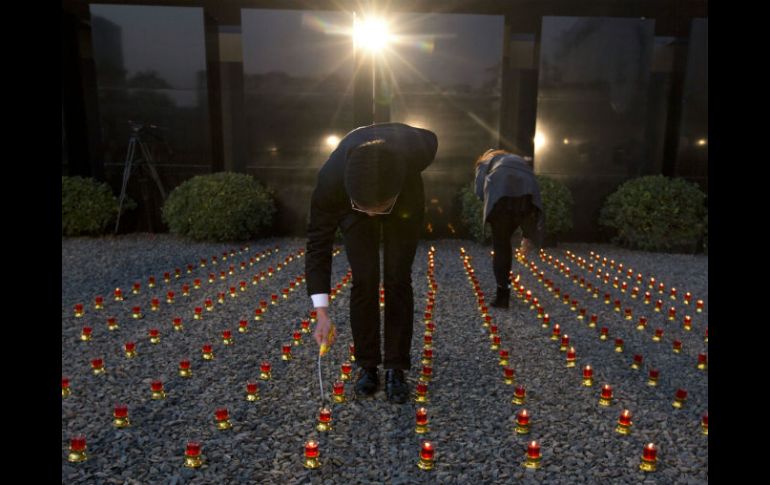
(323,325)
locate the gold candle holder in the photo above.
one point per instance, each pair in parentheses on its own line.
(227,337)
(345,370)
(192,455)
(624,423)
(222,419)
(324,420)
(605,399)
(208,352)
(338,392)
(120,416)
(421,392)
(522,422)
(184,369)
(426,456)
(649,458)
(534,457)
(519,395)
(130,350)
(265,371)
(77,450)
(422,421)
(679,399)
(252,391)
(156,388)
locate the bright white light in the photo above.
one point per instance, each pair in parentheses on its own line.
(332,141)
(539,141)
(370,34)
(702,142)
(566,141)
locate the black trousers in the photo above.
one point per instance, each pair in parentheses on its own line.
(399,232)
(506,216)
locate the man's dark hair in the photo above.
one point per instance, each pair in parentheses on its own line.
(374,173)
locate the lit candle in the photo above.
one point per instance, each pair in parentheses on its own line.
(706,335)
(286,352)
(546,320)
(85,334)
(687,298)
(136,312)
(421,392)
(185,290)
(606,397)
(533,456)
(571,357)
(273,299)
(623,287)
(652,379)
(222,419)
(166,277)
(556,332)
(687,322)
(503,357)
(78,310)
(522,422)
(635,292)
(592,322)
(184,368)
(208,353)
(130,349)
(120,415)
(421,420)
(234,292)
(352,352)
(77,452)
(651,283)
(642,323)
(430,326)
(426,374)
(198,315)
(338,392)
(176,323)
(508,375)
(604,333)
(427,341)
(704,423)
(426,456)
(702,362)
(624,422)
(197,281)
(136,288)
(658,305)
(637,362)
(649,458)
(252,391)
(297,337)
(98,303)
(618,345)
(658,335)
(97,365)
(519,395)
(345,370)
(629,314)
(227,337)
(203,263)
(192,455)
(617,305)
(157,390)
(170,297)
(258,314)
(324,420)
(672,294)
(672,313)
(243,326)
(647,297)
(265,370)
(65,387)
(581,314)
(208,304)
(154,335)
(564,343)
(495,342)
(243,284)
(677,346)
(588,376)
(487,321)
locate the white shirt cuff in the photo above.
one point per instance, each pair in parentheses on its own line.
(320,300)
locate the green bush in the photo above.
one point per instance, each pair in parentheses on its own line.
(88,206)
(219,207)
(557,208)
(656,213)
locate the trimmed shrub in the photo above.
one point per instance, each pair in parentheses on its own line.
(656,213)
(219,207)
(88,206)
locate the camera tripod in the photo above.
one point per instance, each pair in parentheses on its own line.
(139,134)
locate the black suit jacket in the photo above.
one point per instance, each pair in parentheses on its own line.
(330,204)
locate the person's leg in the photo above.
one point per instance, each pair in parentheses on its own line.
(502,222)
(362,246)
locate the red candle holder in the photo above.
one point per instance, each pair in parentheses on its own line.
(629,314)
(672,294)
(243,326)
(192,455)
(382,302)
(98,303)
(618,345)
(166,277)
(706,335)
(305,326)
(624,423)
(651,283)
(546,320)
(704,423)
(130,349)
(672,313)
(649,458)
(487,321)
(324,420)
(677,347)
(596,293)
(156,387)
(508,375)
(233,292)
(78,309)
(571,357)
(661,288)
(495,342)
(85,334)
(623,286)
(243,285)
(652,378)
(606,396)
(421,419)
(564,343)
(658,305)
(197,281)
(338,392)
(647,297)
(687,298)
(503,357)
(210,304)
(427,316)
(430,326)
(522,422)
(687,323)
(556,332)
(265,370)
(658,335)
(198,313)
(427,341)
(176,324)
(227,337)
(635,292)
(581,314)
(426,374)
(203,263)
(273,299)
(170,297)
(255,280)
(97,366)
(258,314)
(426,456)
(297,337)
(185,290)
(593,321)
(519,395)
(636,364)
(120,416)
(352,352)
(642,323)
(533,456)
(573,305)
(136,312)
(136,288)
(252,391)
(421,392)
(617,306)
(286,352)
(604,333)
(208,352)
(222,419)
(65,387)
(702,362)
(588,376)
(154,335)
(566,298)
(184,369)
(77,451)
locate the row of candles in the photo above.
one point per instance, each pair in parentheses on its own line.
(702,363)
(533,456)
(118,295)
(193,457)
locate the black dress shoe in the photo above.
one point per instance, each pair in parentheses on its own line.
(367,381)
(396,386)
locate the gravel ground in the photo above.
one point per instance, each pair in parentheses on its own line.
(470,410)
